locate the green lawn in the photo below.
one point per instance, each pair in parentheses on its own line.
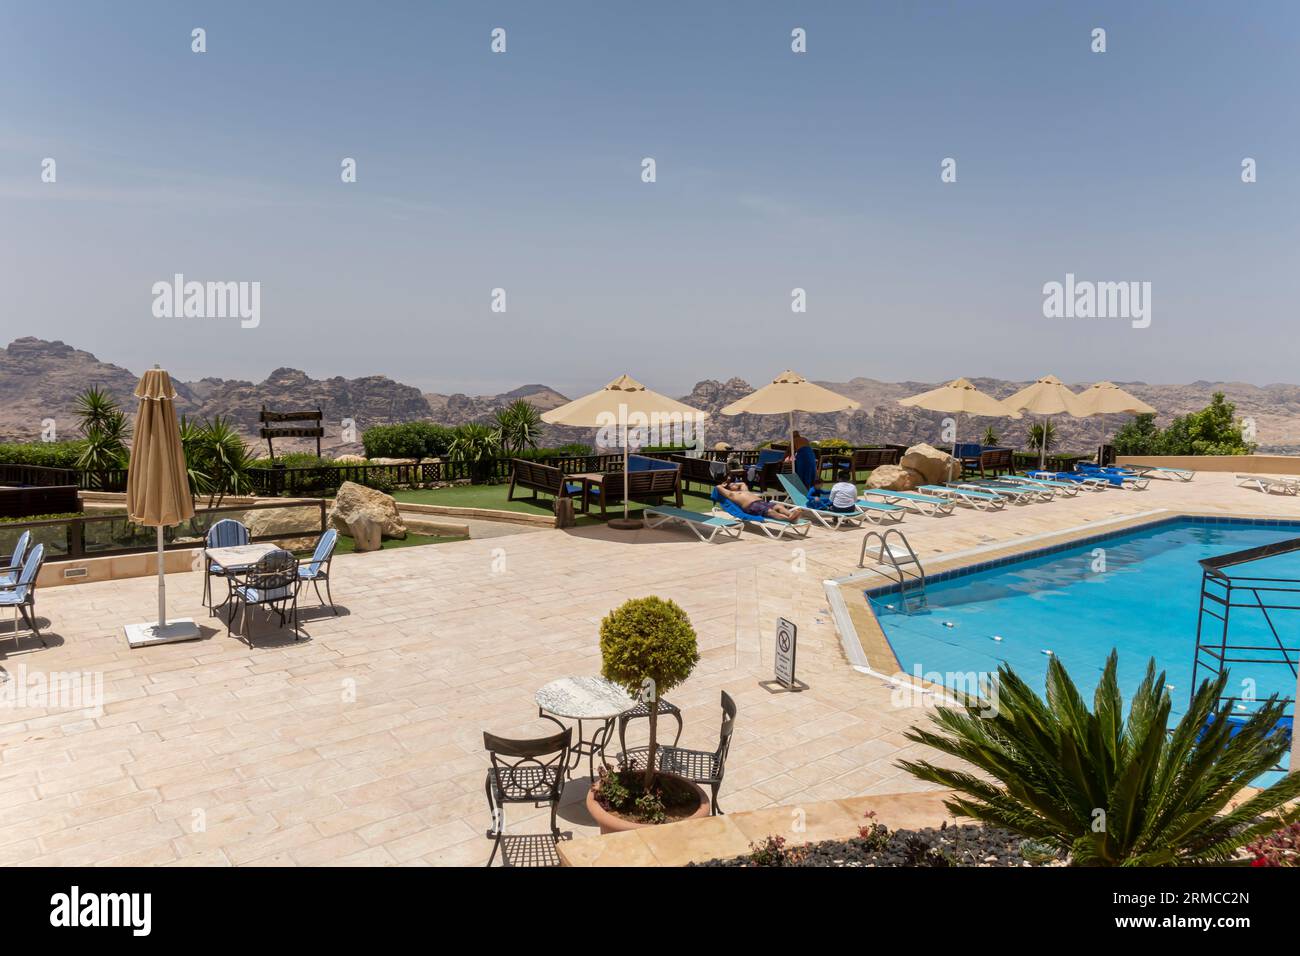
(494,496)
(346,545)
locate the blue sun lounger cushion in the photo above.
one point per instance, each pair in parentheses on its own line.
(733,509)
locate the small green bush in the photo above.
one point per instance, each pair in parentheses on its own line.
(407,440)
(648,647)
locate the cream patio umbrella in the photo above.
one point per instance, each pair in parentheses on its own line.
(624,403)
(158,493)
(1107,398)
(960,397)
(786,394)
(1046,397)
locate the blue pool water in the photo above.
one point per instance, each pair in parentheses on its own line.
(1144,603)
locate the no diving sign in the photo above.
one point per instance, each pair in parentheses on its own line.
(787,636)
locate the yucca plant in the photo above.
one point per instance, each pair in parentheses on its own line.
(95,410)
(519,425)
(1110,790)
(1035,435)
(475,444)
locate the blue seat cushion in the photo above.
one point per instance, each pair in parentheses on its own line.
(255,596)
(12,597)
(308,573)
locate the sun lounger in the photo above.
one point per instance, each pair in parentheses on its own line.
(1161,471)
(1287,486)
(983,500)
(875,512)
(1067,488)
(923,504)
(705,527)
(772,527)
(1126,478)
(1019,495)
(1018,492)
(1091,483)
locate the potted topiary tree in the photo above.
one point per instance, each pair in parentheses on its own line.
(648,647)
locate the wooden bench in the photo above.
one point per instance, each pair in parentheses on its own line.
(543,479)
(649,487)
(996,460)
(869,459)
(698,470)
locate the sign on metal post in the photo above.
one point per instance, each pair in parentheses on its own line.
(786,643)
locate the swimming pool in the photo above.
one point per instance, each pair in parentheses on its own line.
(1137,591)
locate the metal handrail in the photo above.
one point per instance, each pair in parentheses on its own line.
(886,555)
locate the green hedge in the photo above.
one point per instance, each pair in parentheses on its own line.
(407,440)
(57,454)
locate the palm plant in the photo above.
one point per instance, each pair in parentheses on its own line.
(1036,432)
(475,444)
(519,425)
(217,461)
(106,431)
(95,409)
(1110,790)
(990,436)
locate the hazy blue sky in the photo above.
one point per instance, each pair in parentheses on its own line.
(775,170)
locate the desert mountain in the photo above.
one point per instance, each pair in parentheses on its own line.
(40,380)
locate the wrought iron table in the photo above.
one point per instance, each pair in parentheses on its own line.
(592,699)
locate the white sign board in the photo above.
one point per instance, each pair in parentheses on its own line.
(786,642)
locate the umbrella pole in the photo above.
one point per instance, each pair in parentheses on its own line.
(162,583)
(1042,454)
(625,479)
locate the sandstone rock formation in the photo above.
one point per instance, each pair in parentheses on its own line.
(936,466)
(895,478)
(356,501)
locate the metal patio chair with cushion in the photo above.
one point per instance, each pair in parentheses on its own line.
(318,568)
(226,533)
(9,570)
(705,767)
(524,771)
(21,594)
(272,582)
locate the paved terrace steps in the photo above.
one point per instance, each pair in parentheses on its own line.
(363,744)
(728,835)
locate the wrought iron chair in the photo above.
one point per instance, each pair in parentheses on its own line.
(9,572)
(318,568)
(642,711)
(272,582)
(226,533)
(524,771)
(705,767)
(21,594)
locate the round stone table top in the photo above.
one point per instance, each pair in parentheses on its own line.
(584,698)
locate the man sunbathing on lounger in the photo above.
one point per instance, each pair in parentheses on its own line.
(754,504)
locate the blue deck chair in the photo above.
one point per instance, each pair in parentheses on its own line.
(1089,482)
(9,572)
(923,504)
(983,500)
(698,523)
(226,533)
(774,528)
(875,511)
(318,568)
(272,582)
(21,595)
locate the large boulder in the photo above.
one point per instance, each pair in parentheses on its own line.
(354,501)
(349,459)
(937,466)
(366,533)
(895,478)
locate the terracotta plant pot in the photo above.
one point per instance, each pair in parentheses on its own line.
(610,823)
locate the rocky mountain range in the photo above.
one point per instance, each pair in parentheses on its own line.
(39,380)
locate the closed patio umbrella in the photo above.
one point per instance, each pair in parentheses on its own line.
(1107,398)
(158,493)
(959,397)
(786,394)
(617,403)
(1046,397)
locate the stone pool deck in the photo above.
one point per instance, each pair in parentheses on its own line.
(362,743)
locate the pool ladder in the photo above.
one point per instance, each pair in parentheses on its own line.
(911,583)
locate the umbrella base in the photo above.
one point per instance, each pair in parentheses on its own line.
(142,635)
(625,524)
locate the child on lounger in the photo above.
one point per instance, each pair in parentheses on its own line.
(841,498)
